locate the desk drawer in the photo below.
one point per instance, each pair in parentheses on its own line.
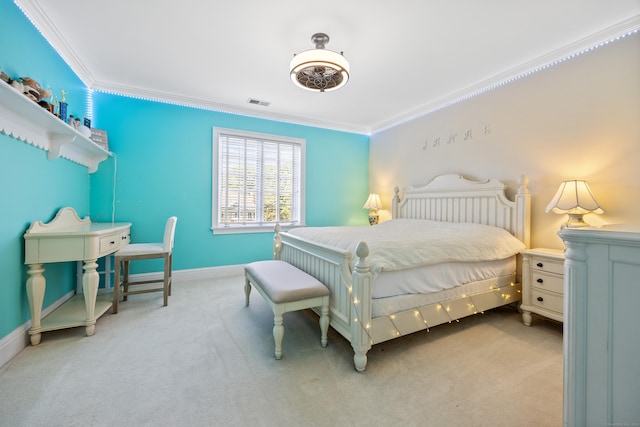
(110,243)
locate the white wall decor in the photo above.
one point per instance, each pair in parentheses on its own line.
(441,141)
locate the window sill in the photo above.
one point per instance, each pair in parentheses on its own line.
(255,229)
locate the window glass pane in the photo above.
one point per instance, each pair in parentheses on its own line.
(258,180)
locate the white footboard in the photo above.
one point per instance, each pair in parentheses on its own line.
(350,294)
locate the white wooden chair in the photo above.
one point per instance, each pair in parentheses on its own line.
(140,251)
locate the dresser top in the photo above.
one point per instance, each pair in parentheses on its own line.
(619,232)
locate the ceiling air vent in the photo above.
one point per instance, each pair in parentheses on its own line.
(258,102)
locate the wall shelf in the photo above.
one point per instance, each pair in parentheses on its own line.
(23,119)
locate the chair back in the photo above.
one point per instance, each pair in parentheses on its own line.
(169,233)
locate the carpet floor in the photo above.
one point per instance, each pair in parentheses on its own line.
(207,360)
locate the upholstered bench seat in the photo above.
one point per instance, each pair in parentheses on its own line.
(287,288)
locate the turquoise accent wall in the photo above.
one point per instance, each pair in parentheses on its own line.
(33,188)
(162,167)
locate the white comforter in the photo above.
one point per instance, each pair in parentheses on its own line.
(409,243)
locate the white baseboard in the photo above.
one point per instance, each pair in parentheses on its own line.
(17,340)
(196,273)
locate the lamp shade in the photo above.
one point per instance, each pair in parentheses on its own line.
(373,202)
(574,197)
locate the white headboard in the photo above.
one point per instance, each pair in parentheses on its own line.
(454,198)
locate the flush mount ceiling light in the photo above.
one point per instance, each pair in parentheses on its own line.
(319,70)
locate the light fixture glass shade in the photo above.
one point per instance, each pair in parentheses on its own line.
(319,69)
(575,198)
(373,202)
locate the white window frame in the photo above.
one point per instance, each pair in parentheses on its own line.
(230,228)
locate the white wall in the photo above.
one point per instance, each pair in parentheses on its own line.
(579,119)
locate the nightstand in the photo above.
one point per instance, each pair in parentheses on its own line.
(542,284)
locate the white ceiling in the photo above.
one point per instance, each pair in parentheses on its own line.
(407,57)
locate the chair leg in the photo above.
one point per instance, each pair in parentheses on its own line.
(167,277)
(116,286)
(170,272)
(125,280)
(247,291)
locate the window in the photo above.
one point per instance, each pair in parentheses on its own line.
(258,181)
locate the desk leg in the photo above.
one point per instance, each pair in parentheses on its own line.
(90,283)
(36,285)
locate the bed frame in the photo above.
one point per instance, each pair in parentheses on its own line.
(451,198)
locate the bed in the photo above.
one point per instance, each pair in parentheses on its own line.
(372,302)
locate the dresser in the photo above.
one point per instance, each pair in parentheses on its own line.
(601,329)
(69,238)
(542,284)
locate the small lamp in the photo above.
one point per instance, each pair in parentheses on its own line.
(373,204)
(574,197)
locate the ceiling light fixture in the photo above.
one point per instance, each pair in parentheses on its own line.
(319,70)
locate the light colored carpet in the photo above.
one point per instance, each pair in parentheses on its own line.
(207,360)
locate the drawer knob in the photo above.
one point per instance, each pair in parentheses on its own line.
(540,299)
(113,242)
(540,265)
(539,280)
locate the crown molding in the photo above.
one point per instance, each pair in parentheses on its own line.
(40,20)
(584,45)
(50,32)
(185,101)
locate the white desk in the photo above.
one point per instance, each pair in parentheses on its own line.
(69,238)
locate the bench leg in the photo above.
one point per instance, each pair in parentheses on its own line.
(247,291)
(278,332)
(324,324)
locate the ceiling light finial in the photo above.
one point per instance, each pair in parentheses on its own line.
(319,69)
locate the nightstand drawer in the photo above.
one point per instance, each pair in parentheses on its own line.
(547,281)
(546,300)
(545,264)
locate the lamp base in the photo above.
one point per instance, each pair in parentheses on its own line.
(373,218)
(575,221)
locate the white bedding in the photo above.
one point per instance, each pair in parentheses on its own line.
(439,277)
(408,243)
(391,305)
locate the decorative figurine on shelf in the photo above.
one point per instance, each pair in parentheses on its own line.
(63,106)
(45,99)
(31,89)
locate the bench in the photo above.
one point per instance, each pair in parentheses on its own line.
(286,288)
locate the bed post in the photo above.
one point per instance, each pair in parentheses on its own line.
(523,211)
(395,203)
(361,308)
(277,242)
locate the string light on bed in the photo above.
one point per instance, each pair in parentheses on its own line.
(319,69)
(360,312)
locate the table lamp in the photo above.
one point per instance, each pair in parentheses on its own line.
(574,197)
(373,203)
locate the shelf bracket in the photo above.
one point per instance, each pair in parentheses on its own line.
(56,142)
